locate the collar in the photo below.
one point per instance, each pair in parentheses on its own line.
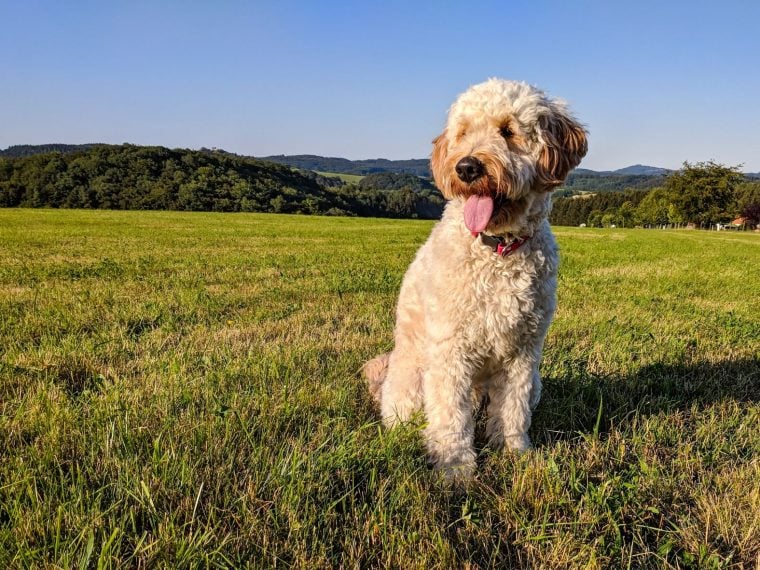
(501,246)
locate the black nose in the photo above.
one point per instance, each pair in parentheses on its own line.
(469,169)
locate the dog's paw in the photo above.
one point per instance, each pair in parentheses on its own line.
(456,466)
(517,442)
(457,475)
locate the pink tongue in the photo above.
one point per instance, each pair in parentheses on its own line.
(477,213)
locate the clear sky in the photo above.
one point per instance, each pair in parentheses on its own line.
(656,82)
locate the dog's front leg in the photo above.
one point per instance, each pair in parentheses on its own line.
(447,385)
(512,395)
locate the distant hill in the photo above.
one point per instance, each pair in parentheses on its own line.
(637,177)
(131,177)
(416,166)
(20,150)
(641,169)
(587,172)
(591,181)
(636,169)
(634,177)
(395,181)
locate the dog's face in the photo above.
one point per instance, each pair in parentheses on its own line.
(505,145)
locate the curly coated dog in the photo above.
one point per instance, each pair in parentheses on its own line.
(478,298)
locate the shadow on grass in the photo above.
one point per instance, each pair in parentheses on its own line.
(581,403)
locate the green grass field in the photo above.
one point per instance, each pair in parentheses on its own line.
(350,178)
(180,390)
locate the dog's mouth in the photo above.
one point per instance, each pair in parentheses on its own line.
(479,210)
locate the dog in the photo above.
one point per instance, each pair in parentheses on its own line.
(476,302)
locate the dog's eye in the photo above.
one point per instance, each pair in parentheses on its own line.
(506,132)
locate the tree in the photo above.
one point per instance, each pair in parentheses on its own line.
(674,215)
(626,214)
(609,219)
(751,212)
(277,203)
(653,209)
(703,193)
(747,193)
(595,219)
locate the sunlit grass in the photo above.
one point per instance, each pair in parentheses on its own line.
(180,389)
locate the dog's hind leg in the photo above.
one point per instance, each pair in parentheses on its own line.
(374,372)
(401,392)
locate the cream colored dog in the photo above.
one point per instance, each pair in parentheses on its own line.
(478,298)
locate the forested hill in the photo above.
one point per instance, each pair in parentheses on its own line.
(137,177)
(20,150)
(638,176)
(590,181)
(632,177)
(416,166)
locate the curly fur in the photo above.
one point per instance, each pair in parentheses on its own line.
(467,319)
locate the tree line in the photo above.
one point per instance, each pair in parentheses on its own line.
(594,182)
(701,194)
(395,181)
(134,177)
(157,178)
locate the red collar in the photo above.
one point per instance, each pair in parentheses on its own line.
(501,246)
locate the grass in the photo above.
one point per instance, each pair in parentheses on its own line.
(350,178)
(180,390)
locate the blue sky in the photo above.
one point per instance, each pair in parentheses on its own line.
(656,82)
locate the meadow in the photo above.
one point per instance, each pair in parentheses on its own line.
(349,178)
(181,390)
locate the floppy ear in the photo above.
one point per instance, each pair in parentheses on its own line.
(564,146)
(438,158)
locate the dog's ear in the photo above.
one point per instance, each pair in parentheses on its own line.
(565,145)
(437,160)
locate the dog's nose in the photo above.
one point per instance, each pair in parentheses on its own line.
(469,169)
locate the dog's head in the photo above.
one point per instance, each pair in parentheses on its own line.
(505,146)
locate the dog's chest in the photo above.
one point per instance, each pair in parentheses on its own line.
(510,299)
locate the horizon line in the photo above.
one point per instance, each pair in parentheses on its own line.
(261,157)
